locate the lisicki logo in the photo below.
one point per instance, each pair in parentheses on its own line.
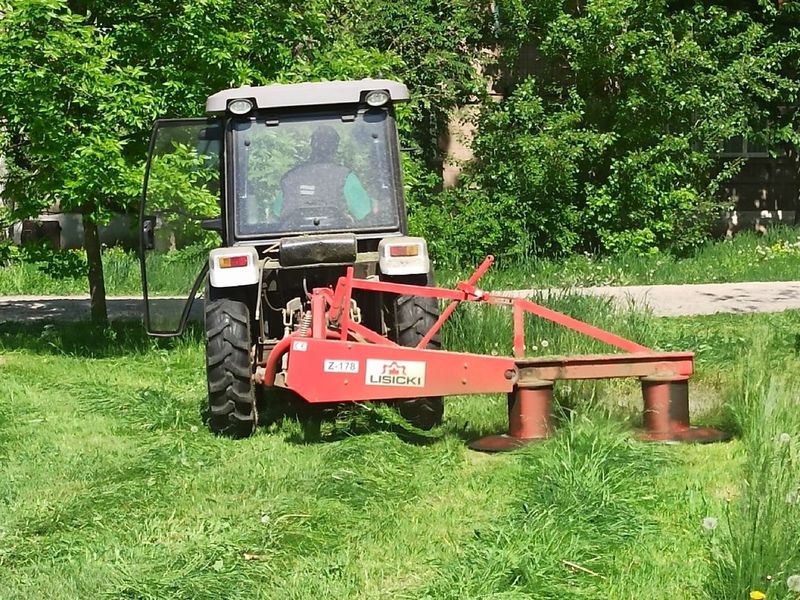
(406,373)
(394,369)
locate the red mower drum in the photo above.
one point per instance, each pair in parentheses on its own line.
(530,414)
(666,412)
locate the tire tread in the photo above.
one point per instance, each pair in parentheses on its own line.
(231,398)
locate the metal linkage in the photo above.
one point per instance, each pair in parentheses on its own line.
(340,360)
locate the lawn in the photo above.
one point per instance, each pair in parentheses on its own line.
(111,486)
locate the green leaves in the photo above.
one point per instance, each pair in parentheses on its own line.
(83,81)
(614,145)
(67,108)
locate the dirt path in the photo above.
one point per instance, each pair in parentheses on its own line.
(663,300)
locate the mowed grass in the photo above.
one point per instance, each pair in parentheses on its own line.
(112,487)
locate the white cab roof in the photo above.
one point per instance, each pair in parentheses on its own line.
(306,94)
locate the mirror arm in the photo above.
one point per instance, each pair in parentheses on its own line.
(212,225)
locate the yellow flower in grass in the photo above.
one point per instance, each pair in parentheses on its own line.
(756,595)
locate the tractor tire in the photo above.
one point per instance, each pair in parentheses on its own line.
(231,397)
(408,319)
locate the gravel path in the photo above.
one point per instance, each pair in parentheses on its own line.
(701,299)
(77,308)
(663,300)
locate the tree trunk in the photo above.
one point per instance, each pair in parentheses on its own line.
(97,284)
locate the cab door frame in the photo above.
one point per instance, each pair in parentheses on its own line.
(147,224)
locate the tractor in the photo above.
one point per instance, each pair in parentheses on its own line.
(284,209)
(278,191)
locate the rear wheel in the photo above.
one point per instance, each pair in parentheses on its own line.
(408,319)
(231,398)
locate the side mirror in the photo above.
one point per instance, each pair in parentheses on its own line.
(149,233)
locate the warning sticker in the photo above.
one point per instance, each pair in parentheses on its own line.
(406,373)
(340,366)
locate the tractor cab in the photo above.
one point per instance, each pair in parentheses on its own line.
(314,169)
(276,192)
(269,163)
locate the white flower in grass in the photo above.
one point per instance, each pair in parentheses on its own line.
(544,343)
(710,523)
(793,583)
(792,498)
(265,519)
(193,429)
(784,438)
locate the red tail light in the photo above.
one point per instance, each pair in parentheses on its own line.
(409,250)
(228,262)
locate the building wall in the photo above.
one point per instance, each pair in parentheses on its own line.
(65,230)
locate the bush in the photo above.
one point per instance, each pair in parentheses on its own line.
(613,147)
(8,252)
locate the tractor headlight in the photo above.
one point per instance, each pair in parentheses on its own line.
(242,106)
(377,98)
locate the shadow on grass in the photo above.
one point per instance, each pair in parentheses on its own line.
(318,425)
(302,423)
(470,431)
(86,340)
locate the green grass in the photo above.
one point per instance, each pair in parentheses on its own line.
(747,257)
(773,257)
(167,275)
(111,486)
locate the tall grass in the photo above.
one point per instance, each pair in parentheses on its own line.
(168,274)
(489,329)
(576,505)
(772,257)
(111,486)
(747,257)
(757,545)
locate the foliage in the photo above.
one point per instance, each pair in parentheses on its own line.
(779,249)
(735,260)
(69,108)
(747,257)
(180,194)
(83,79)
(606,141)
(58,264)
(8,252)
(613,144)
(439,45)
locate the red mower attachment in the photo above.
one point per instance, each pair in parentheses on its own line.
(340,360)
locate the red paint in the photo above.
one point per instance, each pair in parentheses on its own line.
(444,373)
(343,361)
